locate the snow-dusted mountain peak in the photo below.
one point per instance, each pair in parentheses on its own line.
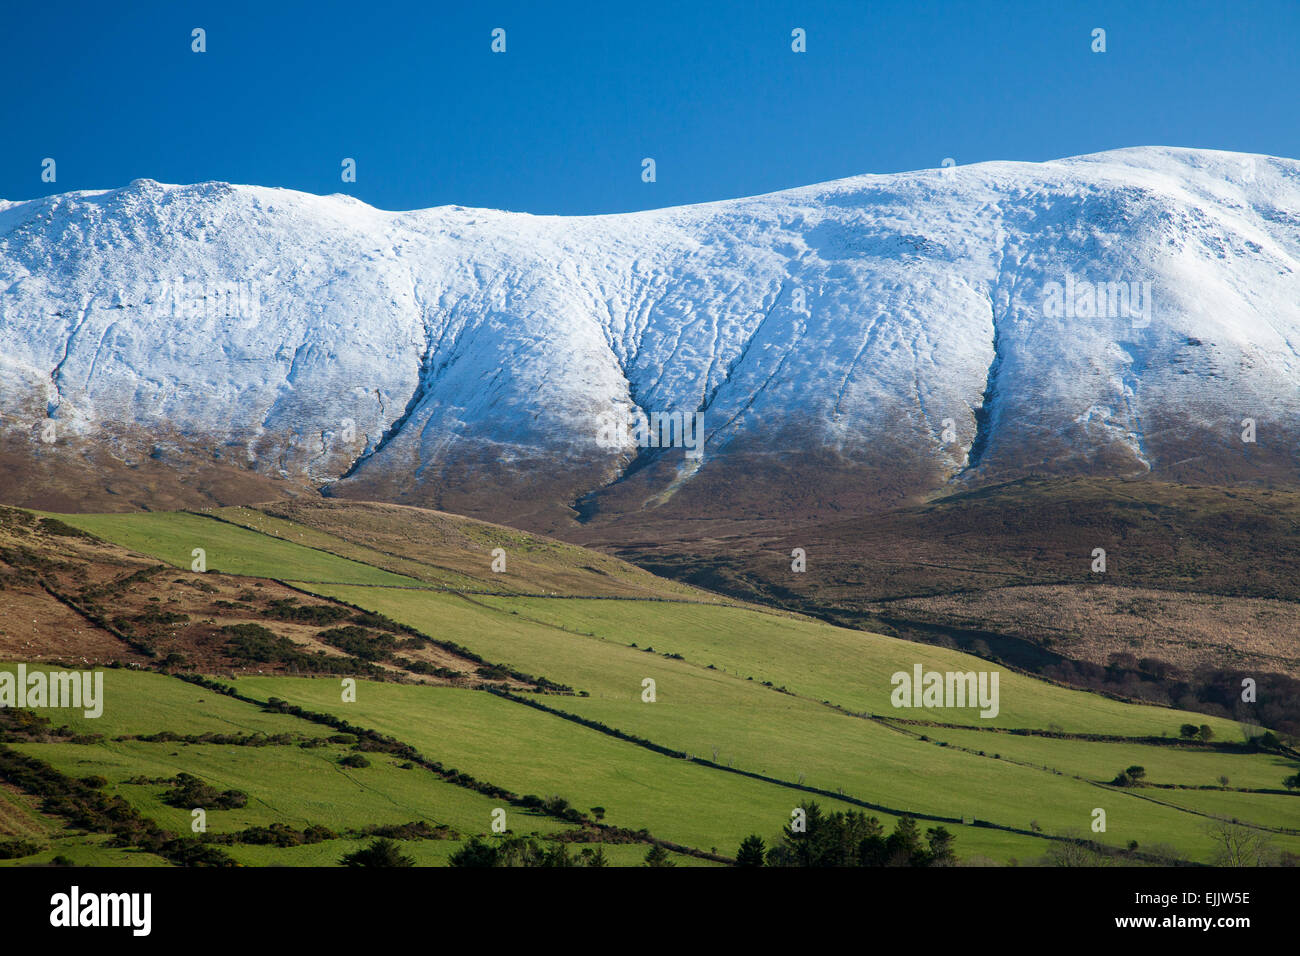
(1124,311)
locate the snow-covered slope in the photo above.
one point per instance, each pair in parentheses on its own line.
(880,332)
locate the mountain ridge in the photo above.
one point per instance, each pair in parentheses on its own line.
(852,336)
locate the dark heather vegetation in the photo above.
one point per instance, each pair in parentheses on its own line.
(415,638)
(360,643)
(415,830)
(290,610)
(256,644)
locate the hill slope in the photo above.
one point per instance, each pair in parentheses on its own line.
(753,711)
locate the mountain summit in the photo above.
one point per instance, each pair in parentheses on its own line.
(870,340)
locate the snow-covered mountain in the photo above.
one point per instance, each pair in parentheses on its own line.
(879,336)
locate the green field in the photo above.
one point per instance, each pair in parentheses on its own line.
(800,703)
(275,778)
(810,658)
(172,537)
(1102,761)
(530,751)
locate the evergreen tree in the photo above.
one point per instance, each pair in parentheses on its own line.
(752,851)
(658,856)
(594,858)
(941,852)
(802,847)
(903,848)
(556,855)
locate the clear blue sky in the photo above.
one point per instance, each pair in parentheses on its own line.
(561,121)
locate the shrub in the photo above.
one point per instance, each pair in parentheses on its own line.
(359,642)
(382,852)
(188,792)
(477,852)
(13,849)
(289,609)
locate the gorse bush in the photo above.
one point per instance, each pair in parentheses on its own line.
(189,792)
(15,849)
(288,609)
(357,641)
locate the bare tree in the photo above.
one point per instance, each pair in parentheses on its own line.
(1074,849)
(1237,845)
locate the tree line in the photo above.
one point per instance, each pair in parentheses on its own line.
(848,838)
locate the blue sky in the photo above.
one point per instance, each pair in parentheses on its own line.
(561,121)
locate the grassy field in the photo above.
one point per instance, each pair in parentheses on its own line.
(1102,761)
(530,751)
(795,701)
(757,729)
(172,537)
(285,784)
(449,551)
(310,537)
(141,702)
(848,668)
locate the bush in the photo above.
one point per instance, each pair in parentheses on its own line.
(13,849)
(290,610)
(359,642)
(188,792)
(477,852)
(381,622)
(382,852)
(253,642)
